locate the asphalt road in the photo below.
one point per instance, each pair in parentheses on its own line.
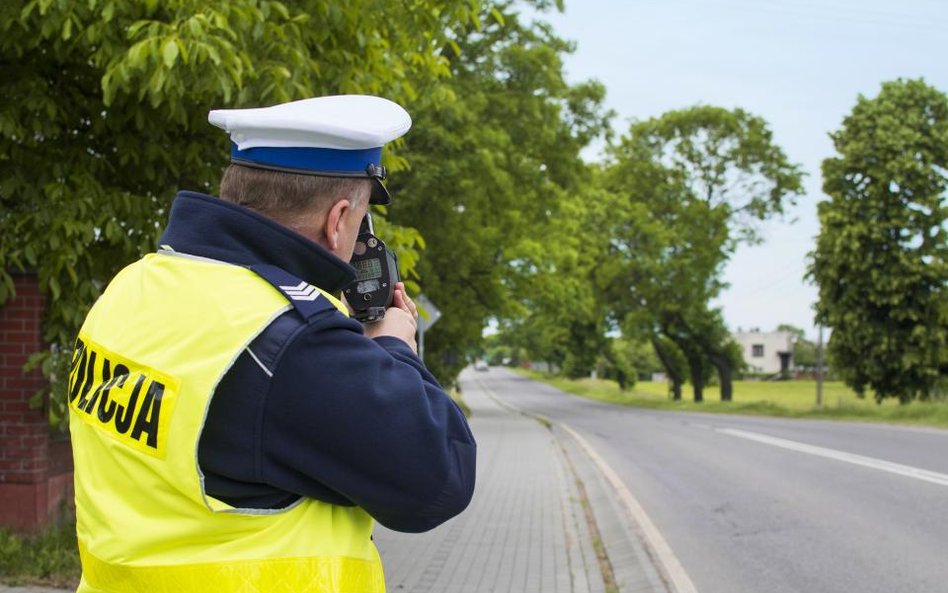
(764,505)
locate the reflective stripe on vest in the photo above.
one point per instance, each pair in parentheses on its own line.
(148,359)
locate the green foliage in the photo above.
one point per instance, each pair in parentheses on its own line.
(562,320)
(880,259)
(104,106)
(683,190)
(625,361)
(488,173)
(49,557)
(679,193)
(727,159)
(496,352)
(55,366)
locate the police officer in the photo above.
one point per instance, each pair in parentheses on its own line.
(233,429)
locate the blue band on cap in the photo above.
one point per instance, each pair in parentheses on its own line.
(327,160)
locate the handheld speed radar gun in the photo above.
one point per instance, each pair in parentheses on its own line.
(376,266)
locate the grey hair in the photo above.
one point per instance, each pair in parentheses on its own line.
(285,196)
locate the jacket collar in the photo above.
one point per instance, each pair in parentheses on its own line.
(210,227)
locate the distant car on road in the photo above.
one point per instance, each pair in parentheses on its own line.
(480,365)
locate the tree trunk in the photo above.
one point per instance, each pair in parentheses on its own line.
(697,376)
(673,375)
(695,365)
(676,389)
(621,379)
(723,365)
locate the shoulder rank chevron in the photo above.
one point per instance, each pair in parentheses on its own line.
(301,292)
(304,297)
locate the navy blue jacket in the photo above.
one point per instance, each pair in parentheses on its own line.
(314,408)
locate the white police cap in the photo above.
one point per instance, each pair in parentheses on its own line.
(336,136)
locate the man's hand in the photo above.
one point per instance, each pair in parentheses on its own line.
(400,321)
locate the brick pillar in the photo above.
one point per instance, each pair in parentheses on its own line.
(30,494)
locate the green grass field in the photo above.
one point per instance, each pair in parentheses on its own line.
(795,399)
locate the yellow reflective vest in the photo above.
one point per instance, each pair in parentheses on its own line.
(147,361)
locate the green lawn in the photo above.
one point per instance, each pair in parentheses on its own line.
(795,399)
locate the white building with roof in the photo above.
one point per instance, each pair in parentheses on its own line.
(766,352)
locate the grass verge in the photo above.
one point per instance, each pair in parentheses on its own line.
(49,558)
(789,399)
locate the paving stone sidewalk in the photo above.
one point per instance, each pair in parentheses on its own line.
(525,530)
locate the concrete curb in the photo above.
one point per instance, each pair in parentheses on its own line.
(633,567)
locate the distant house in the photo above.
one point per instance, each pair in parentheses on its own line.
(766,352)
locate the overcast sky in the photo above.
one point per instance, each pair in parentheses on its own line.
(799,64)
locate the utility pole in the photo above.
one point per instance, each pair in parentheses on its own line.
(819,368)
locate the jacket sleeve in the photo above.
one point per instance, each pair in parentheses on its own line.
(366,419)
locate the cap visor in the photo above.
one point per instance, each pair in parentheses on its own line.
(380,195)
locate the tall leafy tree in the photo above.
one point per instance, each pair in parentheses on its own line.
(880,258)
(560,316)
(488,171)
(690,186)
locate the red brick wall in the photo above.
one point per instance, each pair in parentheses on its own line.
(30,493)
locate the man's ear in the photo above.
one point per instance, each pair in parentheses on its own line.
(334,224)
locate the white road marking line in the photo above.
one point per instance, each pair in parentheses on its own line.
(879,464)
(673,569)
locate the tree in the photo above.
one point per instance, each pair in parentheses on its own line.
(627,361)
(707,343)
(559,310)
(487,175)
(104,106)
(880,257)
(672,360)
(689,186)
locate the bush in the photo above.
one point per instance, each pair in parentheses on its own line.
(50,557)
